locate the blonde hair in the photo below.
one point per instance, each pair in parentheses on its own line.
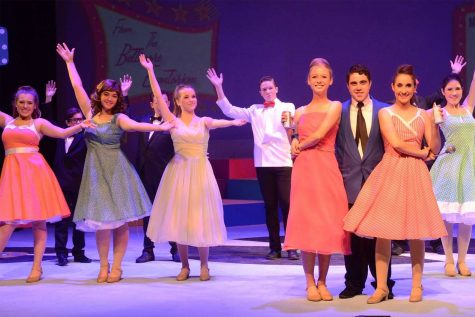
(320,62)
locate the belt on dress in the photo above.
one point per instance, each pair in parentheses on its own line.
(17,150)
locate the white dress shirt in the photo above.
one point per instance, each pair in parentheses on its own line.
(367,111)
(155,122)
(271,144)
(67,143)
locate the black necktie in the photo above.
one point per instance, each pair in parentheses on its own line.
(361,133)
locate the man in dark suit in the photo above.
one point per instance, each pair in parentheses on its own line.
(68,167)
(154,153)
(359,148)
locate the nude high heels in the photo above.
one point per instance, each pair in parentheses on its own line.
(115,275)
(378,296)
(204,274)
(463,269)
(35,275)
(312,294)
(103,273)
(450,270)
(416,294)
(324,292)
(184,274)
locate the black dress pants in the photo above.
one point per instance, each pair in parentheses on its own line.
(362,256)
(274,183)
(61,230)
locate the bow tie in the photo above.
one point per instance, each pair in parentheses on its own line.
(155,119)
(269,104)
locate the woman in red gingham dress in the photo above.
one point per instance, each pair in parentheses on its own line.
(397,201)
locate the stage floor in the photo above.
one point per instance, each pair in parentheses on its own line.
(236,289)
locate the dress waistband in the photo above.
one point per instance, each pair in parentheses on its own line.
(17,150)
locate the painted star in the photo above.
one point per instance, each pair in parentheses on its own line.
(153,7)
(203,11)
(180,13)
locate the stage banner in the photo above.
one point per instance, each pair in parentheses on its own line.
(178,36)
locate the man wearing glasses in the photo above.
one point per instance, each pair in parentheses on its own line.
(68,167)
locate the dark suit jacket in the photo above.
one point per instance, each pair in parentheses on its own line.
(68,167)
(355,169)
(152,157)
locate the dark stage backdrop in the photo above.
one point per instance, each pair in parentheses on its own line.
(31,27)
(243,39)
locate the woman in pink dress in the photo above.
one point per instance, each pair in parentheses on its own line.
(29,191)
(397,201)
(318,200)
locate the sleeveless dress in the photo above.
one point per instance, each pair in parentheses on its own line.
(318,200)
(188,208)
(29,190)
(397,201)
(111,192)
(453,174)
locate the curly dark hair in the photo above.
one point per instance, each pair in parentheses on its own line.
(107,85)
(27,90)
(358,69)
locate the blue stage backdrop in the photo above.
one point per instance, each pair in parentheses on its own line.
(248,39)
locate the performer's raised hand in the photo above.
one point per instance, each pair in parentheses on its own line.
(457,64)
(214,78)
(66,54)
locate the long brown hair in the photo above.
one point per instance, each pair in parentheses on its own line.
(107,85)
(27,90)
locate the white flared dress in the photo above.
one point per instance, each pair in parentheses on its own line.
(188,208)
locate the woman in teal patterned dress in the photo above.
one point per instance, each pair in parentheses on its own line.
(111,193)
(453,174)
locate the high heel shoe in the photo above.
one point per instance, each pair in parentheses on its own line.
(184,274)
(416,294)
(324,292)
(204,274)
(35,275)
(450,270)
(115,275)
(463,269)
(103,273)
(379,295)
(312,294)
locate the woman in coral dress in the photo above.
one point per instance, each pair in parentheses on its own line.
(453,174)
(111,192)
(188,208)
(318,200)
(29,191)
(397,201)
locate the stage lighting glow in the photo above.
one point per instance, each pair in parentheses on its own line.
(3,46)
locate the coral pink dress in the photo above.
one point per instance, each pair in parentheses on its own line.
(318,200)
(397,201)
(29,191)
